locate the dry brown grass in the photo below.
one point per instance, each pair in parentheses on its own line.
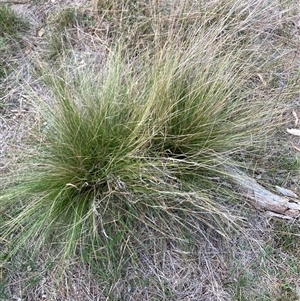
(252,266)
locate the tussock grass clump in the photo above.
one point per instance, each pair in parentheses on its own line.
(10,27)
(63,28)
(125,164)
(10,23)
(129,150)
(139,144)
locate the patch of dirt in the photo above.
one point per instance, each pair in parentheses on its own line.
(210,270)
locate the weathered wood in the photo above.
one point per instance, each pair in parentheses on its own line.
(263,199)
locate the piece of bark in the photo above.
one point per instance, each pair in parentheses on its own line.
(263,199)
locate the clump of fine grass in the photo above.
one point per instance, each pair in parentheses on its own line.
(63,29)
(138,145)
(134,149)
(129,20)
(10,27)
(10,23)
(59,38)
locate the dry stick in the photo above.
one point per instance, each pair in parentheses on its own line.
(263,199)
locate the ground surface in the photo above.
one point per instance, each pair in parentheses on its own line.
(262,264)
